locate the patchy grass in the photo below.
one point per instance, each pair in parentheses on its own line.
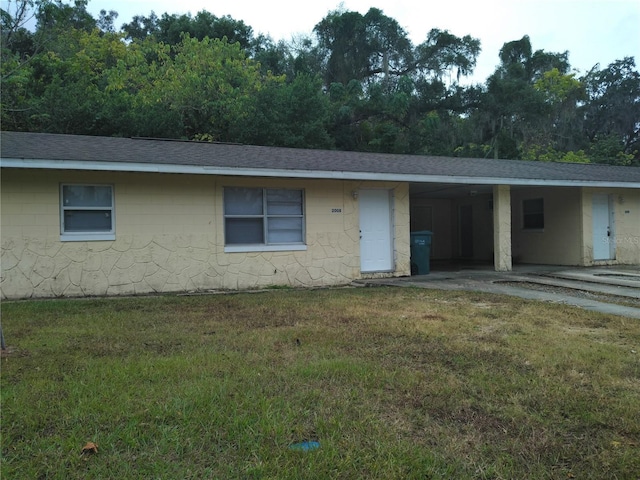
(393,383)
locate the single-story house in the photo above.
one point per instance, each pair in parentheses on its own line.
(104,216)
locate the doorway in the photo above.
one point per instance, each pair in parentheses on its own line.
(604,240)
(376,240)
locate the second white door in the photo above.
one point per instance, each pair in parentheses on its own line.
(604,242)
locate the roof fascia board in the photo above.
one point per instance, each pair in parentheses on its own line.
(309,174)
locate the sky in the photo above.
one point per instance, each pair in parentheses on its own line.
(593,31)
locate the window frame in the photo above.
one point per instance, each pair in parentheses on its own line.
(97,235)
(537,216)
(265,216)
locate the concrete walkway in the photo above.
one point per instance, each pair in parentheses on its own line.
(567,285)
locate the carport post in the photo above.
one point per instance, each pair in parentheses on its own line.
(502,228)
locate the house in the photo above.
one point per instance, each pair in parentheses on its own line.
(105,216)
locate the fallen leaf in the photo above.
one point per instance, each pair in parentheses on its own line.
(90,447)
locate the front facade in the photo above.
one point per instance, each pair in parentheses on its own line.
(169,233)
(84,216)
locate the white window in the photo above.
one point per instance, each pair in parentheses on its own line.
(86,212)
(263,219)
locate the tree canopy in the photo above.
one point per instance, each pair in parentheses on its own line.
(356,82)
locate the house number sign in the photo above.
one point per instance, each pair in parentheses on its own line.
(336,210)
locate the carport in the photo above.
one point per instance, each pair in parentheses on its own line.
(470,222)
(546,222)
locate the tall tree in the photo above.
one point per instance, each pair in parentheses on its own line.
(443,54)
(512,109)
(289,114)
(210,83)
(358,47)
(170,28)
(57,15)
(17,48)
(70,84)
(612,112)
(561,130)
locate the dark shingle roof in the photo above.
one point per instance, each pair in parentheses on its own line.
(118,151)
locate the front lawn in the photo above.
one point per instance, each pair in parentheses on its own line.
(393,383)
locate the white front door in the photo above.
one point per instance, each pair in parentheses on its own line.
(604,243)
(376,240)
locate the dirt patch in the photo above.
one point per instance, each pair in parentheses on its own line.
(12,351)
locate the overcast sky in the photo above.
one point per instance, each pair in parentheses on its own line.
(593,31)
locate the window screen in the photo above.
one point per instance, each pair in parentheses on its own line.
(256,216)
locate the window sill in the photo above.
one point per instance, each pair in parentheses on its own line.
(87,237)
(264,248)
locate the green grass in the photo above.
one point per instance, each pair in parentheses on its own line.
(393,383)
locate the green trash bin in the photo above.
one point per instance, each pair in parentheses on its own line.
(420,252)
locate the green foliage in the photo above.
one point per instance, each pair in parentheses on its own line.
(16,91)
(613,108)
(609,149)
(56,16)
(548,154)
(289,114)
(361,46)
(472,150)
(558,88)
(442,52)
(210,84)
(358,83)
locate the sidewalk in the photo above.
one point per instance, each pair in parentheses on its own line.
(560,284)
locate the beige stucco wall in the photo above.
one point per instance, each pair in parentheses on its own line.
(560,242)
(626,204)
(567,238)
(170,236)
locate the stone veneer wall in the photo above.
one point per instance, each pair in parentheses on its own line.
(170,238)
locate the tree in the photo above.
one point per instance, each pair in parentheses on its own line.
(612,111)
(17,48)
(359,47)
(106,21)
(15,37)
(70,84)
(169,29)
(442,53)
(141,27)
(56,16)
(210,84)
(289,114)
(400,83)
(133,86)
(512,109)
(562,129)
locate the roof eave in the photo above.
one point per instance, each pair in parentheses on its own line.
(293,173)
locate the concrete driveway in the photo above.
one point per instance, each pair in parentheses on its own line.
(614,290)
